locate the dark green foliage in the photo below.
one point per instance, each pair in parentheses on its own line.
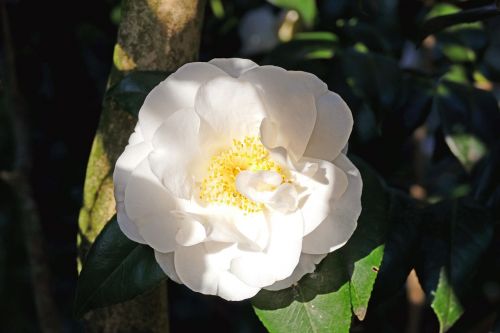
(131,91)
(438,23)
(116,269)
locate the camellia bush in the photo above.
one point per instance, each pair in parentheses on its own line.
(334,164)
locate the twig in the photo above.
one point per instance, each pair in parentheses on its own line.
(48,316)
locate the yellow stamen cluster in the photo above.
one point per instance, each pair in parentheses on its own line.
(220,184)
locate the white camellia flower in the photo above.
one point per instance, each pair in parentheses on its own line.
(236,177)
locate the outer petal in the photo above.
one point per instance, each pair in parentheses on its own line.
(166,262)
(233,66)
(232,108)
(289,98)
(176,148)
(332,129)
(149,205)
(127,226)
(137,136)
(233,289)
(204,268)
(126,163)
(312,82)
(338,227)
(307,264)
(326,184)
(281,256)
(177,92)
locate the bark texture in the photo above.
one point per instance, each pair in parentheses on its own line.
(156,35)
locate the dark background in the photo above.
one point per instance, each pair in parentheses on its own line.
(63,53)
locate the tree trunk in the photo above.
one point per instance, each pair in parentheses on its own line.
(153,35)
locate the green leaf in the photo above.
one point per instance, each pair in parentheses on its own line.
(455,236)
(451,18)
(458,53)
(131,91)
(401,247)
(446,305)
(304,46)
(467,148)
(486,177)
(374,78)
(307,9)
(116,270)
(470,119)
(369,36)
(319,303)
(217,8)
(342,283)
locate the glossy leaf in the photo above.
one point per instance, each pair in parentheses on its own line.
(470,119)
(401,247)
(342,283)
(116,269)
(374,78)
(438,23)
(445,304)
(304,46)
(131,91)
(455,235)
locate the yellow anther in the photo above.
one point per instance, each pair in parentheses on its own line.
(219,186)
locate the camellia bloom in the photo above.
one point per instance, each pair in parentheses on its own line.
(236,177)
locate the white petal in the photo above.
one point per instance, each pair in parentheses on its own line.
(254,268)
(166,262)
(264,187)
(177,92)
(230,224)
(327,182)
(285,242)
(127,226)
(149,205)
(126,163)
(254,228)
(285,199)
(233,289)
(176,152)
(204,268)
(232,108)
(332,129)
(279,259)
(233,66)
(312,82)
(136,136)
(339,225)
(307,264)
(191,232)
(289,98)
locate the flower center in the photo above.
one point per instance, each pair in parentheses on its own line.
(219,186)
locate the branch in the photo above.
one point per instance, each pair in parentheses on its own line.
(158,35)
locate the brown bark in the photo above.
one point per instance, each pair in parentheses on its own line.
(153,35)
